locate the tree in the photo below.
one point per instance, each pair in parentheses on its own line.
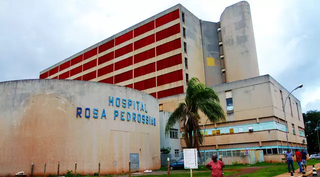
(311,119)
(199,97)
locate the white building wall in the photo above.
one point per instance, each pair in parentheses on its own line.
(165,140)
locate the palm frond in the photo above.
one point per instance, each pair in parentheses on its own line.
(192,89)
(205,93)
(175,116)
(212,110)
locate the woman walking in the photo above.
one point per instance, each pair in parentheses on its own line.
(216,167)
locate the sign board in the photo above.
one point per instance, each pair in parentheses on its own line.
(190,157)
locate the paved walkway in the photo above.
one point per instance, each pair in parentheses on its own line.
(297,174)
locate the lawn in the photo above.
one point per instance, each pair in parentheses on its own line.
(276,169)
(272,169)
(195,174)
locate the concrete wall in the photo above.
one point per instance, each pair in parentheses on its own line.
(39,124)
(165,140)
(296,117)
(194,46)
(238,42)
(211,53)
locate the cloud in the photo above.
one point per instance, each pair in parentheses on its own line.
(310,96)
(36,34)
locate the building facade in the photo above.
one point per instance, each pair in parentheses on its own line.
(160,54)
(170,140)
(86,127)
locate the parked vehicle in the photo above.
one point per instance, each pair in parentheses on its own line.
(177,165)
(314,156)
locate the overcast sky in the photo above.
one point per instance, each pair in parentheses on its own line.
(35,34)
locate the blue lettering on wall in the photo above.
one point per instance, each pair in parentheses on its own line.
(116,114)
(128,116)
(110,100)
(137,105)
(103,114)
(145,108)
(122,116)
(139,118)
(124,103)
(79,111)
(129,103)
(143,119)
(133,117)
(95,113)
(118,102)
(87,112)
(140,114)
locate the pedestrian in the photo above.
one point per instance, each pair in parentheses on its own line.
(304,160)
(288,156)
(299,159)
(215,166)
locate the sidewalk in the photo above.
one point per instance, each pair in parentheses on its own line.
(297,174)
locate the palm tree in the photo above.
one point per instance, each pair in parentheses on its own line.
(198,97)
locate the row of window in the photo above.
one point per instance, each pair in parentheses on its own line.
(290,103)
(229,102)
(239,153)
(247,128)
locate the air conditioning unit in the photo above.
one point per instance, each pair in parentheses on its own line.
(250,129)
(221,57)
(219,29)
(220,43)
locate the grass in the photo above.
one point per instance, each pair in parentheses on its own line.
(273,169)
(195,174)
(277,169)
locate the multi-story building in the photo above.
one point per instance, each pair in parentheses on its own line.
(160,54)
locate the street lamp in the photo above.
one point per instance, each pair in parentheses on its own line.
(284,112)
(204,140)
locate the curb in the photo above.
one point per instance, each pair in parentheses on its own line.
(310,172)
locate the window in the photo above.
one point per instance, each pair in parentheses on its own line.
(264,151)
(231,130)
(274,151)
(184,32)
(229,101)
(160,107)
(281,98)
(290,106)
(186,62)
(176,152)
(185,47)
(213,132)
(187,78)
(174,133)
(298,111)
(218,132)
(240,129)
(183,17)
(293,131)
(269,151)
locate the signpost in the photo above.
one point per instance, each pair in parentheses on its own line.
(190,157)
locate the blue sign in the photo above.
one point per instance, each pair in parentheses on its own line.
(138,114)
